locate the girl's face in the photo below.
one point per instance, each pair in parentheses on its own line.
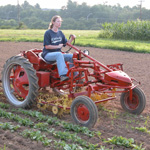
(57,23)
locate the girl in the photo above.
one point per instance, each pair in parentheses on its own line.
(54,40)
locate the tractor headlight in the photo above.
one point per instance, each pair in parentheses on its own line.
(86,52)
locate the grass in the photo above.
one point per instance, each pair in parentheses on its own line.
(3,148)
(84,38)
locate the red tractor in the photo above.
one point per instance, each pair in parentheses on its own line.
(26,74)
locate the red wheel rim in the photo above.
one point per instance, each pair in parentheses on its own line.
(20,82)
(132,104)
(82,112)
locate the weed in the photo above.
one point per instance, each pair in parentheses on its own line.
(142,129)
(98,133)
(129,121)
(146,121)
(1,93)
(127,126)
(3,148)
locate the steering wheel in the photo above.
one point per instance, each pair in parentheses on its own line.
(72,44)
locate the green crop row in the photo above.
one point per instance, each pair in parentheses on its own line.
(49,120)
(57,122)
(44,127)
(66,136)
(132,30)
(63,137)
(14,117)
(37,136)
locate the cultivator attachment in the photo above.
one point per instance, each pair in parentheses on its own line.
(103,98)
(59,105)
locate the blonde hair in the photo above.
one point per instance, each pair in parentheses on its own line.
(53,20)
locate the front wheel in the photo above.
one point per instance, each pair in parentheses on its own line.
(84,111)
(137,104)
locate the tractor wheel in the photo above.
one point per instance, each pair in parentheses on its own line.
(20,82)
(84,111)
(137,104)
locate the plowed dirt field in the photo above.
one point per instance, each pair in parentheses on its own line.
(113,120)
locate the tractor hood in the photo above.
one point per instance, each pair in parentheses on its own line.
(118,78)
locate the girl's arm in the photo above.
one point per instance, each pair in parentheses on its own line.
(71,39)
(54,46)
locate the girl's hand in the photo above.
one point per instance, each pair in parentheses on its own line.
(60,45)
(73,37)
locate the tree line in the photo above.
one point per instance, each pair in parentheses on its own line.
(75,16)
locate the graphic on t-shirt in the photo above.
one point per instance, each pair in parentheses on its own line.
(56,39)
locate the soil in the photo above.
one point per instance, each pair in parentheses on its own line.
(112,121)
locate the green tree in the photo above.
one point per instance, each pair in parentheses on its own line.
(75,16)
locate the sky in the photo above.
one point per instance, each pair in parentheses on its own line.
(57,4)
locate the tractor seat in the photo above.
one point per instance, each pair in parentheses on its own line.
(48,62)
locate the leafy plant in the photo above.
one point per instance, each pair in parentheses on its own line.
(41,126)
(9,126)
(4,105)
(121,141)
(77,128)
(22,121)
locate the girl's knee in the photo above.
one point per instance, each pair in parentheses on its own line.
(59,54)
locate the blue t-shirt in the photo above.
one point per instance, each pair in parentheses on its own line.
(53,38)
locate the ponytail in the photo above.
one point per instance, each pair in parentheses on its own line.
(53,20)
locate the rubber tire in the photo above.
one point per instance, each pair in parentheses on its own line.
(93,112)
(32,78)
(141,99)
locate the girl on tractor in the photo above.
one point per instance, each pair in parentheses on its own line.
(54,40)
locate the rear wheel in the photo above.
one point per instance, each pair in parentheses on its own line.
(20,82)
(84,111)
(137,104)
